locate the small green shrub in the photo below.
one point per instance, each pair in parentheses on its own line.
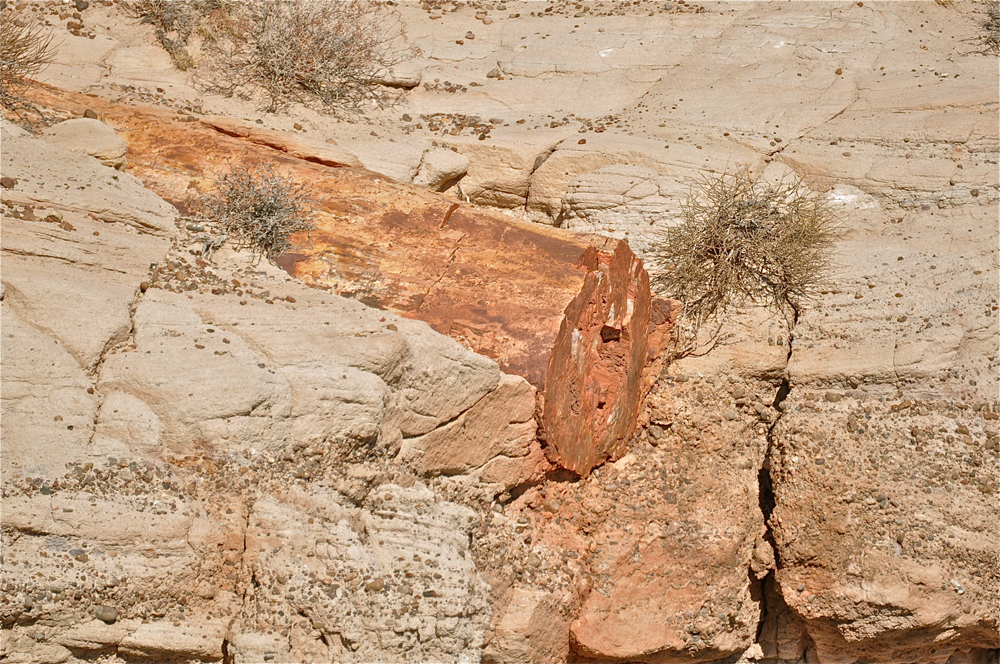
(26,48)
(258,209)
(744,241)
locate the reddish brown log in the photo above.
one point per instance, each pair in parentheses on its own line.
(571,313)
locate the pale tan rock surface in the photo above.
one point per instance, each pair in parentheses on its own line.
(155,465)
(441,168)
(884,551)
(91,137)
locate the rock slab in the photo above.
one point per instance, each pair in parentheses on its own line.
(511,291)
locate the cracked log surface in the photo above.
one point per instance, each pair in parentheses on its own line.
(572,314)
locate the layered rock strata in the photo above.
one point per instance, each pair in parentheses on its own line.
(201,460)
(573,315)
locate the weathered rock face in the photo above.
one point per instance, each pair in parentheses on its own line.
(501,175)
(619,200)
(513,292)
(176,442)
(441,168)
(877,498)
(883,464)
(91,137)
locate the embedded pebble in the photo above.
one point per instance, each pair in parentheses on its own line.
(108,614)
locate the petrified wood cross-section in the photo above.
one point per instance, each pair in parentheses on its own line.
(572,314)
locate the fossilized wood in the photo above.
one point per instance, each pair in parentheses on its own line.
(573,314)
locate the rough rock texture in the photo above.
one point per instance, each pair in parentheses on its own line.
(675,167)
(622,201)
(501,175)
(455,269)
(404,75)
(594,386)
(207,472)
(91,137)
(319,154)
(836,469)
(883,466)
(72,263)
(441,168)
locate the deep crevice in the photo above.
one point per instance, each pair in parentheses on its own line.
(766,591)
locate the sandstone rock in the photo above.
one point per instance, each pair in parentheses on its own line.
(399,160)
(113,198)
(670,586)
(404,75)
(470,444)
(531,629)
(320,154)
(465,259)
(863,577)
(674,170)
(126,424)
(142,479)
(47,411)
(614,196)
(626,202)
(404,527)
(441,168)
(499,175)
(91,137)
(159,640)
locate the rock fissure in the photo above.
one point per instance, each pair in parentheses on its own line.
(444,272)
(770,597)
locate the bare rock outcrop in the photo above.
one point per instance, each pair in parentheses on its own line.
(579,325)
(440,168)
(91,137)
(192,472)
(501,175)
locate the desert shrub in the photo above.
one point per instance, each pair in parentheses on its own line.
(259,209)
(26,48)
(328,55)
(989,23)
(175,20)
(743,241)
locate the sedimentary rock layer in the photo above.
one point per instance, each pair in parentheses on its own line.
(572,314)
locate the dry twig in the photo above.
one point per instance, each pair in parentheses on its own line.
(25,50)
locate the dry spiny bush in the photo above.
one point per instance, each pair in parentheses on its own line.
(175,20)
(259,209)
(327,55)
(26,48)
(990,24)
(742,240)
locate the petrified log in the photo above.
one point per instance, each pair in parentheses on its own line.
(572,314)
